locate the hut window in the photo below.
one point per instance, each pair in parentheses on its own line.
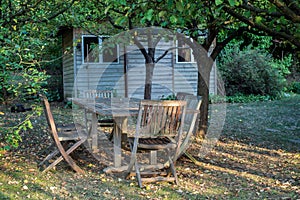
(110,52)
(95,50)
(184,53)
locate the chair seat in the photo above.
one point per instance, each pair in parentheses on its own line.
(66,127)
(68,132)
(109,122)
(69,135)
(155,143)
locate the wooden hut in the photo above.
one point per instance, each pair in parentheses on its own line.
(123,68)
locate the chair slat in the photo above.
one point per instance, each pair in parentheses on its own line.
(100,94)
(158,123)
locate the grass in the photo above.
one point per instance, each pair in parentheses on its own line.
(256,157)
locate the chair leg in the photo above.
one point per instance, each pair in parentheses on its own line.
(138,174)
(49,156)
(132,162)
(173,170)
(70,161)
(172,167)
(47,150)
(153,157)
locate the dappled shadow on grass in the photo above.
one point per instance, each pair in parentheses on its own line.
(273,125)
(232,171)
(245,164)
(21,179)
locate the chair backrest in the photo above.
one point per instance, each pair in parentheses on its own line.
(92,94)
(160,118)
(193,107)
(49,116)
(190,124)
(182,95)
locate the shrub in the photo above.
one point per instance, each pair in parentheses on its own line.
(169,97)
(239,98)
(247,98)
(252,71)
(294,87)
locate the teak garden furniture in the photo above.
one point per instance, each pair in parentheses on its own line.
(66,139)
(159,127)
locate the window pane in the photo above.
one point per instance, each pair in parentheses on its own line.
(110,52)
(184,52)
(91,49)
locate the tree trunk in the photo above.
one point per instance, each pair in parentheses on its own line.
(148,80)
(204,63)
(203,91)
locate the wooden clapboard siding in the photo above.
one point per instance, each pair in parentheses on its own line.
(68,63)
(162,83)
(187,82)
(99,76)
(185,78)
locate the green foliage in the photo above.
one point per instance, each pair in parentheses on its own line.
(14,125)
(294,87)
(69,104)
(217,99)
(53,95)
(239,98)
(26,32)
(247,98)
(169,97)
(265,16)
(252,71)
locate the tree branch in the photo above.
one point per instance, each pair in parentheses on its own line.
(165,53)
(141,47)
(248,6)
(294,5)
(59,12)
(114,24)
(263,27)
(286,11)
(220,45)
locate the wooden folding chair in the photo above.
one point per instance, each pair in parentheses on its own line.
(94,94)
(182,95)
(104,94)
(63,136)
(159,127)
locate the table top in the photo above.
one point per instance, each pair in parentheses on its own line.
(117,107)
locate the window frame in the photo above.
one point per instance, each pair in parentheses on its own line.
(100,55)
(177,55)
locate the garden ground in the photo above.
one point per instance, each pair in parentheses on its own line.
(256,157)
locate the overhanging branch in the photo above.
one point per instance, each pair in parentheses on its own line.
(286,11)
(263,27)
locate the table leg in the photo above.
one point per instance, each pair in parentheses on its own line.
(124,132)
(119,123)
(94,136)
